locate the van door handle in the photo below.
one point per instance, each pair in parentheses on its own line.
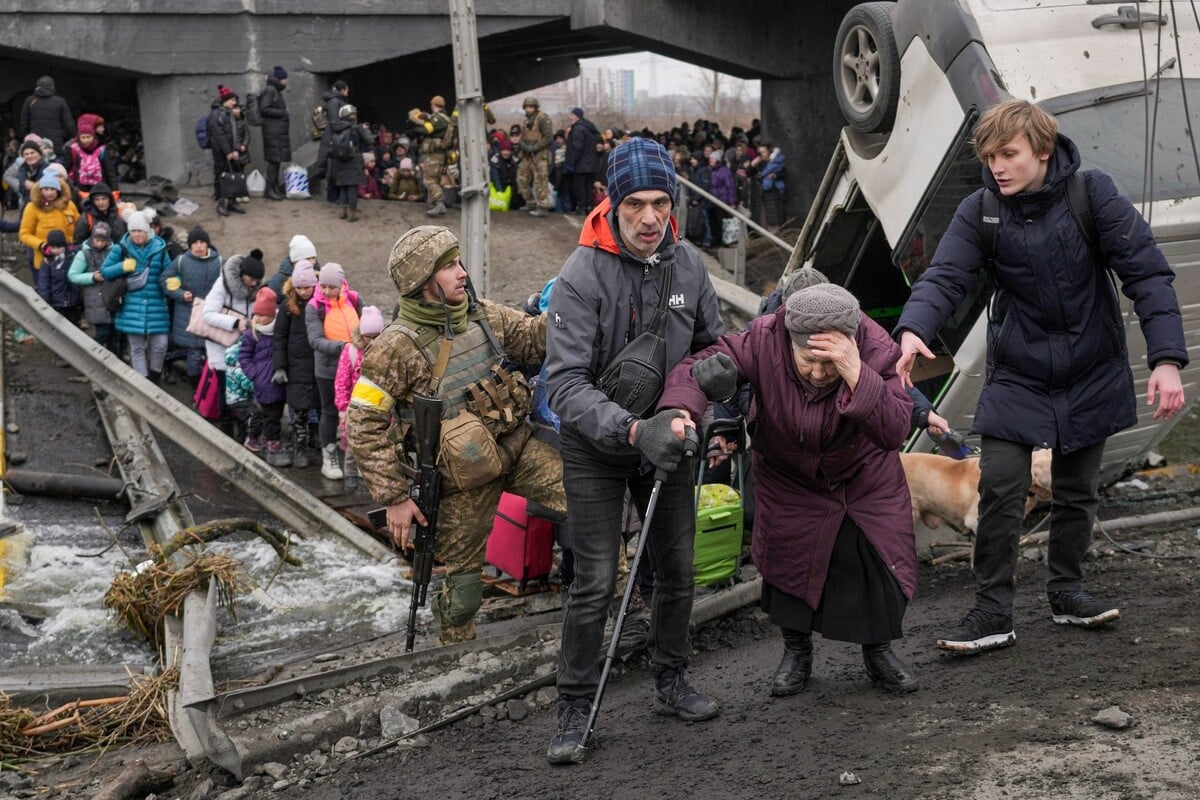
(1127,17)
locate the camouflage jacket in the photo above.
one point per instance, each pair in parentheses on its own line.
(394,370)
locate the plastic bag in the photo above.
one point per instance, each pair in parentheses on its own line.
(730,231)
(256,183)
(295,182)
(497,200)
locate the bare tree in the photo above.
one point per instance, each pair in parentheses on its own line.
(719,95)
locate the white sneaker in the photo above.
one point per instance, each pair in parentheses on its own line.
(329,464)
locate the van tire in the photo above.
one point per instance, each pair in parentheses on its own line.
(866,67)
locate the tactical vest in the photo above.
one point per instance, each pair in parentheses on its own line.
(531,131)
(437,142)
(473,360)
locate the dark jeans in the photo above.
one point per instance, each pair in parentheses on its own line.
(1003,487)
(595,484)
(347,196)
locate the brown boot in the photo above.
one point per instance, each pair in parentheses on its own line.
(352,216)
(344,212)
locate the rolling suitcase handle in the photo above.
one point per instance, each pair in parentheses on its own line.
(729,428)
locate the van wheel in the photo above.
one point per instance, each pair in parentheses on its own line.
(866,68)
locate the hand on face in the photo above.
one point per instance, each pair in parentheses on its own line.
(841,351)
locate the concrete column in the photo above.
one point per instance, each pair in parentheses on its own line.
(801,116)
(171,105)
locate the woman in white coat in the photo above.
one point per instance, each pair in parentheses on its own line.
(227,306)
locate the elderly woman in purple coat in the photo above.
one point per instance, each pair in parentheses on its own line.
(833,535)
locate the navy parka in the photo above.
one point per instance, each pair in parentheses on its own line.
(1058,371)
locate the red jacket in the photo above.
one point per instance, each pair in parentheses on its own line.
(818,455)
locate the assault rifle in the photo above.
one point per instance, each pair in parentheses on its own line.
(427,494)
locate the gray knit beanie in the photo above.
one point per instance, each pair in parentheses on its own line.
(820,308)
(801,279)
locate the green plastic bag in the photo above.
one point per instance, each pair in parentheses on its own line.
(498,200)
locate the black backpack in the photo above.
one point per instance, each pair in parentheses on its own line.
(341,144)
(253,111)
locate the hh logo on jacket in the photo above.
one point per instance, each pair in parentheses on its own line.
(676,301)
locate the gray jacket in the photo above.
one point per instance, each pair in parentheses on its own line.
(600,287)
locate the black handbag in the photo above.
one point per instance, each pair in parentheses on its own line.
(232,185)
(636,377)
(112,292)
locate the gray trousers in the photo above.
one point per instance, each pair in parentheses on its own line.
(1003,487)
(595,485)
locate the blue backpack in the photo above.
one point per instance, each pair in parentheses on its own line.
(202,133)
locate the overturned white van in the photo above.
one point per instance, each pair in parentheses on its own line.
(912,79)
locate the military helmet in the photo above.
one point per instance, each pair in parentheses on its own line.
(415,256)
(530,101)
(437,100)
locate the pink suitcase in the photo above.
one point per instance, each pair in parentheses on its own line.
(520,545)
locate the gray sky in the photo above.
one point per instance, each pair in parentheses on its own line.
(657,74)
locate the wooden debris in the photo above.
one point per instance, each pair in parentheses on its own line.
(142,600)
(954,555)
(140,716)
(211,531)
(137,780)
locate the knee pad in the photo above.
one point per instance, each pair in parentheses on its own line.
(460,598)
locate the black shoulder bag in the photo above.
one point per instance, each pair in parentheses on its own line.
(635,378)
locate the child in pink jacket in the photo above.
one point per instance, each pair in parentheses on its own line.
(370,325)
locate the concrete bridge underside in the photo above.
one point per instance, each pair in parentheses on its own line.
(166,58)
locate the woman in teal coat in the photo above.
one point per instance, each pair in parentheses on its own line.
(141,257)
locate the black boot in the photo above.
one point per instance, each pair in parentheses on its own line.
(886,670)
(155,377)
(794,669)
(673,696)
(300,442)
(566,747)
(223,207)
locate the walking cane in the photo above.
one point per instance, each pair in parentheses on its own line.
(691,448)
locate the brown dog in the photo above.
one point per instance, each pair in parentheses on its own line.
(946,490)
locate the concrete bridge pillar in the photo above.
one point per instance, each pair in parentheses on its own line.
(170,106)
(801,116)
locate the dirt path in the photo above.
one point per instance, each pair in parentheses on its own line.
(1015,723)
(525,252)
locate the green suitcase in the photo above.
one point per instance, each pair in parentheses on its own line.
(719,513)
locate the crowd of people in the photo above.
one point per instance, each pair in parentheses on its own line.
(534,165)
(632,354)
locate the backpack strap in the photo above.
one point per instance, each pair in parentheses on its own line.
(989,229)
(1080,205)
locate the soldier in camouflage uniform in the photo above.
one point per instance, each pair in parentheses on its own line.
(425,266)
(439,131)
(533,173)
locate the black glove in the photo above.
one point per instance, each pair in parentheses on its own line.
(717,377)
(657,442)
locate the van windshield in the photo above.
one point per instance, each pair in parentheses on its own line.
(1111,132)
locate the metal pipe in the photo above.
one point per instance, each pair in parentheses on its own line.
(472,147)
(53,484)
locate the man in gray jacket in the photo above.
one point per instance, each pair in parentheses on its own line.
(605,296)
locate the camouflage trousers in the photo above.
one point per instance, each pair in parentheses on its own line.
(534,171)
(464,522)
(431,176)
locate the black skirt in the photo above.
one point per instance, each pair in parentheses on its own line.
(861,601)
